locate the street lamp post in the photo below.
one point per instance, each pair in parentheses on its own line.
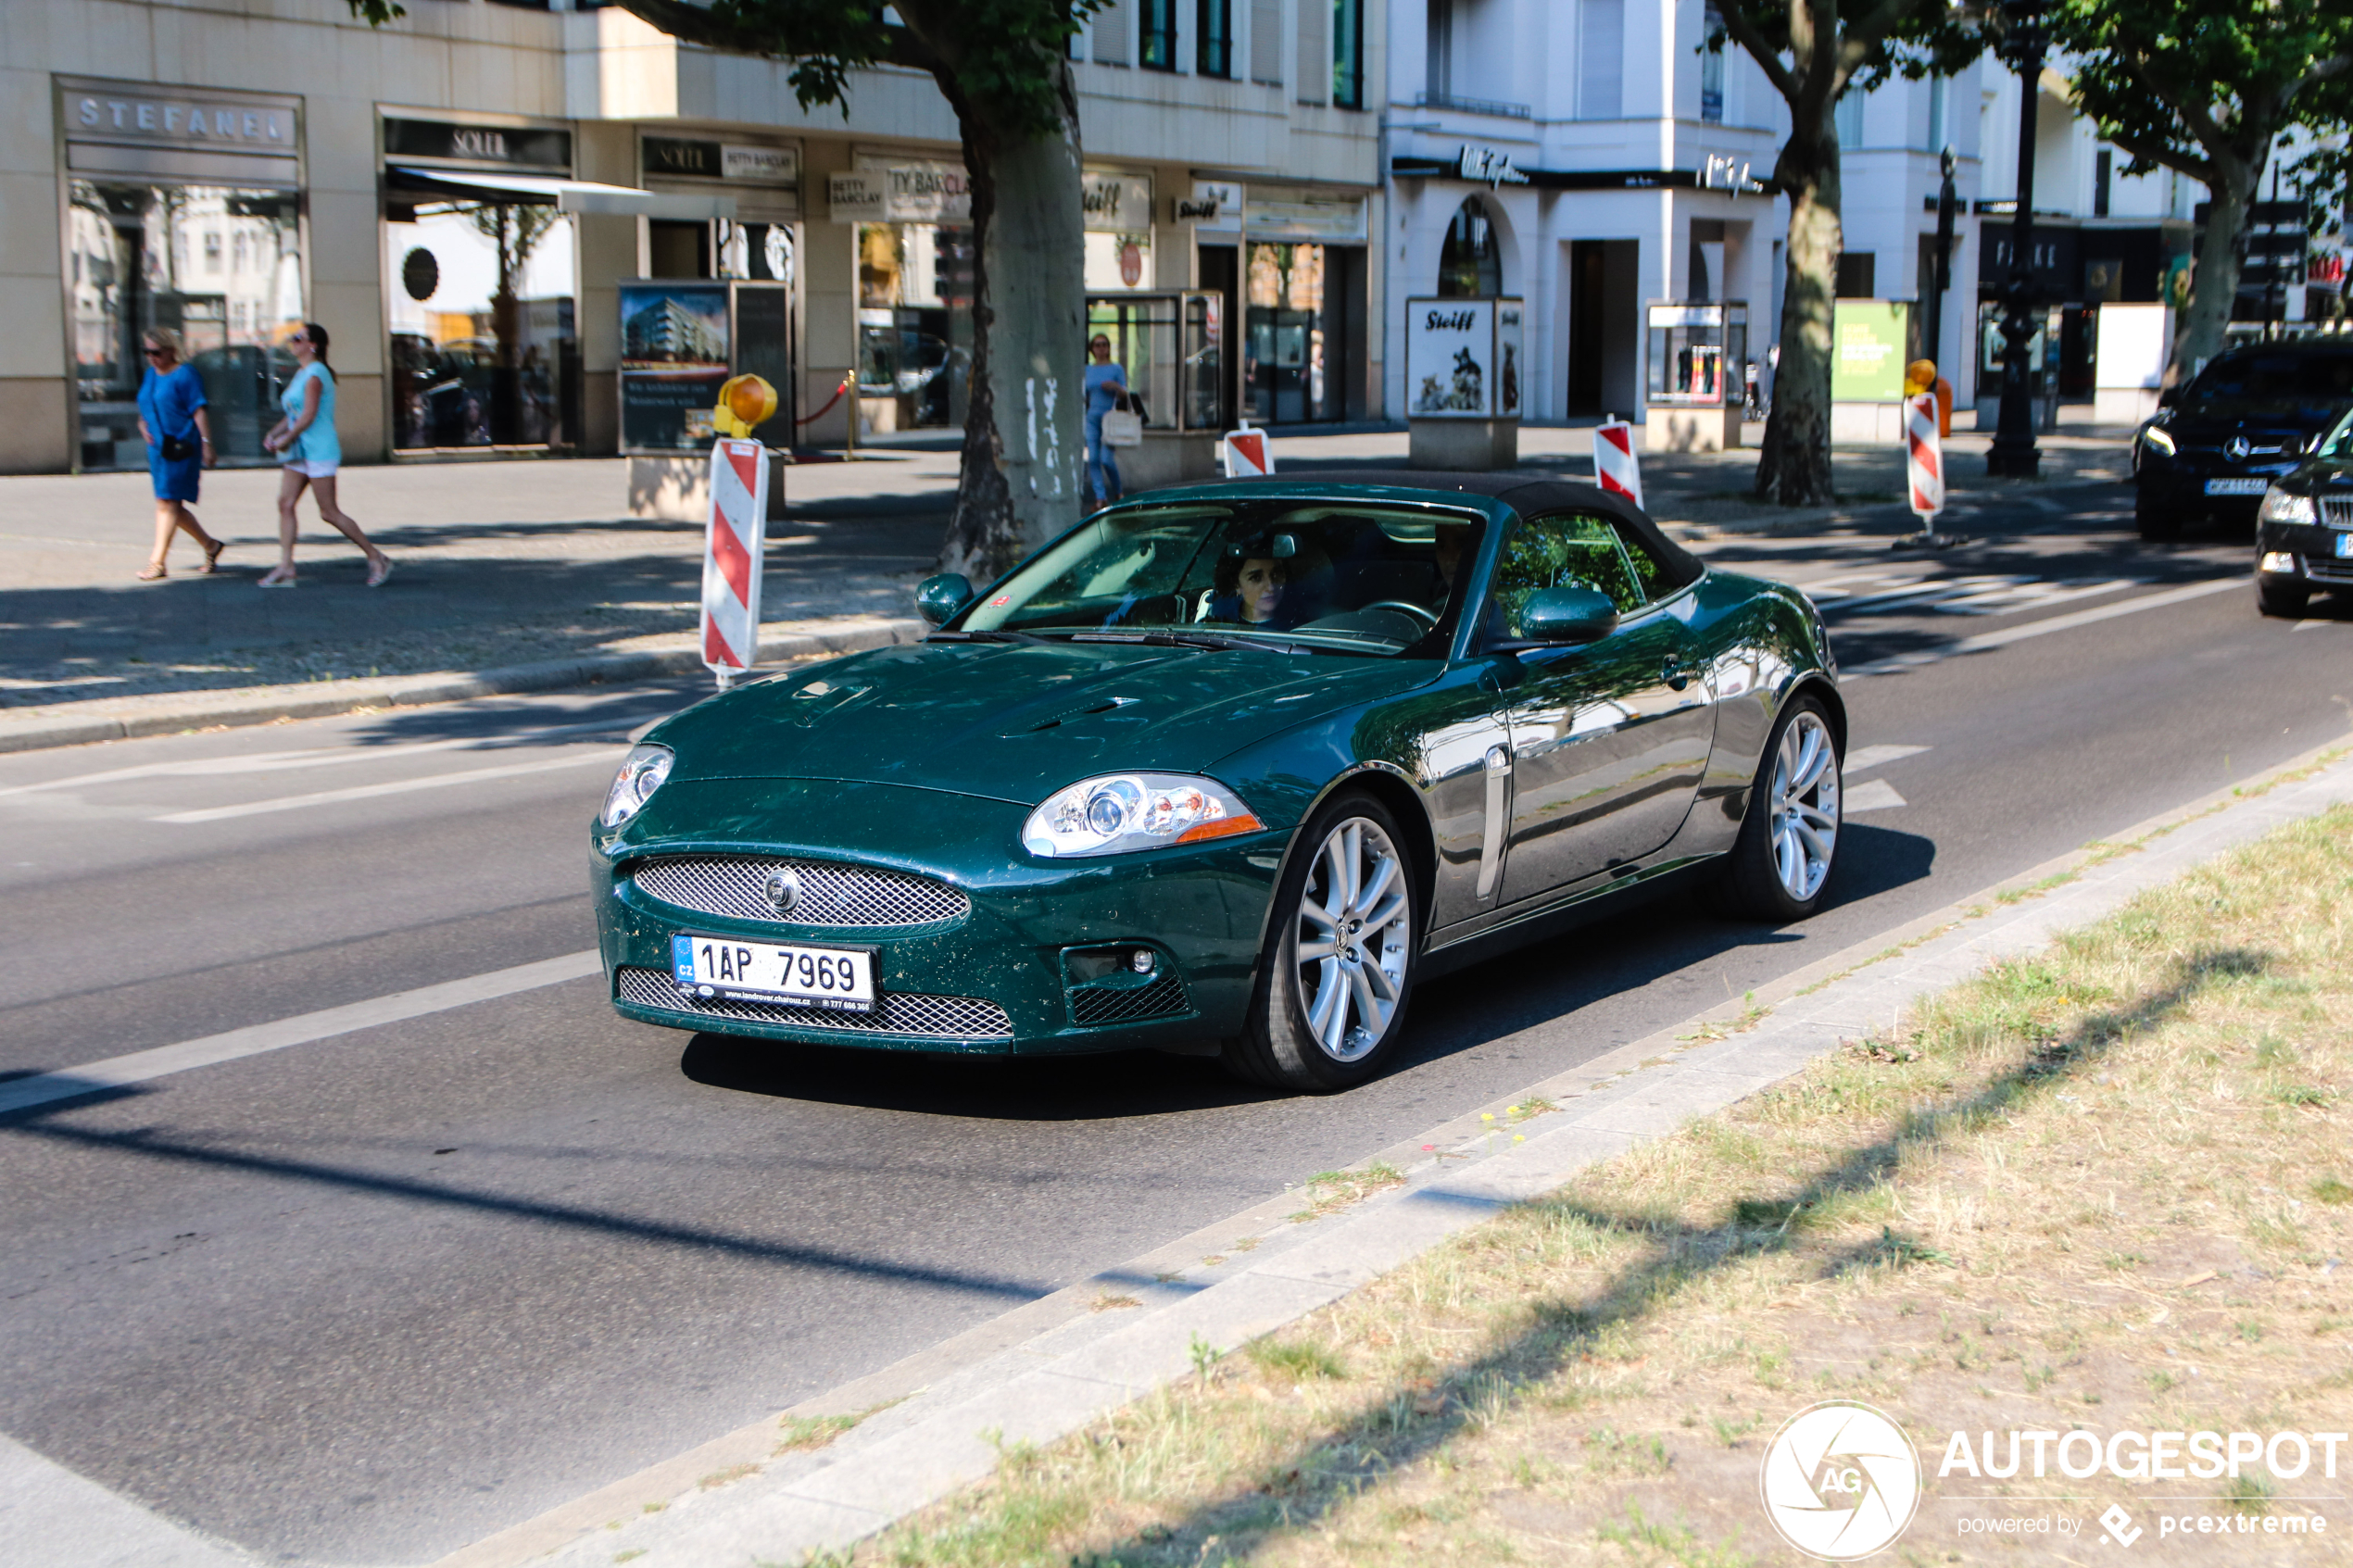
(2013,454)
(1941,277)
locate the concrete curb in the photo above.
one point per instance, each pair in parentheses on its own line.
(1049,1368)
(318,699)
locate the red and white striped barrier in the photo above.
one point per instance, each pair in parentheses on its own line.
(1924,455)
(732,549)
(1246,453)
(1616,468)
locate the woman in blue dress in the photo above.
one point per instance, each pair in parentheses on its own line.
(179,438)
(307,437)
(1105,382)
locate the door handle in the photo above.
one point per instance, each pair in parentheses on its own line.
(1673,672)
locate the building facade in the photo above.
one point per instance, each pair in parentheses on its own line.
(467,199)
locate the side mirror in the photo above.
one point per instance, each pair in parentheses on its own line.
(1569,615)
(938,598)
(2170,397)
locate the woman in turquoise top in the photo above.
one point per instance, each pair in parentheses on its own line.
(307,437)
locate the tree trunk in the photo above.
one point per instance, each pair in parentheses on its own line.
(1794,470)
(1023,433)
(2214,286)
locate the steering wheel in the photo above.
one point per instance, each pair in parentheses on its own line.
(1429,617)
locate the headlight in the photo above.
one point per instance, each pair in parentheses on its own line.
(2156,437)
(2280,506)
(641,773)
(1124,811)
(2279,563)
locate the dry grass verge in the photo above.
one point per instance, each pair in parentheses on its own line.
(2110,1185)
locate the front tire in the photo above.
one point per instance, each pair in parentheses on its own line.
(1781,862)
(1338,968)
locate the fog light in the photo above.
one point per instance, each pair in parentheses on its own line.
(1140,961)
(2280,562)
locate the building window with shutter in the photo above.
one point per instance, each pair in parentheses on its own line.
(1213,38)
(1314,48)
(1109,31)
(1266,42)
(1600,63)
(1711,66)
(1348,53)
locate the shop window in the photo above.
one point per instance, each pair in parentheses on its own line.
(915,324)
(1157,31)
(1470,264)
(1214,37)
(1348,53)
(1291,370)
(485,346)
(129,246)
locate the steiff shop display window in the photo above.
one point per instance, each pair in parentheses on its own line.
(182,207)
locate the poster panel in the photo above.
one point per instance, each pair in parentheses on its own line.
(1867,350)
(674,357)
(1450,349)
(1510,343)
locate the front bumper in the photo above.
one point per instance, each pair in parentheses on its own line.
(2177,484)
(1000,979)
(2304,554)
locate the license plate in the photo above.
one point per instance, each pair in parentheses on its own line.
(2343,545)
(840,978)
(2237,486)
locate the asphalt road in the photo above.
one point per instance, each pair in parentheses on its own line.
(365,1299)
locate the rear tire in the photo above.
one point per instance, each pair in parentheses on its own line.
(1781,862)
(2285,602)
(2156,522)
(1337,971)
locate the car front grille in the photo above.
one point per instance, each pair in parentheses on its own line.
(2322,568)
(895,1012)
(736,887)
(1094,1005)
(2337,510)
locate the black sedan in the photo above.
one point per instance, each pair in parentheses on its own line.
(2249,417)
(2304,529)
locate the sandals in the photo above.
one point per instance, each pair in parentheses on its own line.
(152,573)
(377,572)
(212,557)
(277,577)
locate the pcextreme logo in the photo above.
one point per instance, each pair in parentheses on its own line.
(1839,1481)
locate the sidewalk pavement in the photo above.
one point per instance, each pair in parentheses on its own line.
(521,575)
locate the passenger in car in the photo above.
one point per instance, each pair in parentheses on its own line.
(1250,590)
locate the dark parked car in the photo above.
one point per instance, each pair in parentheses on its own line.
(1228,767)
(2247,419)
(2304,529)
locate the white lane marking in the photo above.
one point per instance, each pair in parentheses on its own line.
(1982,594)
(2308,625)
(301,1030)
(397,787)
(52,1518)
(1873,756)
(1876,795)
(315,757)
(2044,628)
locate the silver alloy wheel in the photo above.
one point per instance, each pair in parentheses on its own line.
(1805,820)
(1354,923)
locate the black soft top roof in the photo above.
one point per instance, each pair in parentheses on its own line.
(1529,495)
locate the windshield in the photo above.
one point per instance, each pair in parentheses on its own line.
(2340,440)
(2315,386)
(1345,579)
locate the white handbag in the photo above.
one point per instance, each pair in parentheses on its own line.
(1122,425)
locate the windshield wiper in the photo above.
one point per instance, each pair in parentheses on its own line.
(1211,641)
(983,637)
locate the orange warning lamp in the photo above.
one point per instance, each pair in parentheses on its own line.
(745,403)
(1919,376)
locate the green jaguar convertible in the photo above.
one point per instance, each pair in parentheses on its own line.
(1227,768)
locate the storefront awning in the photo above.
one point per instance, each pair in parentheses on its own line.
(565,195)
